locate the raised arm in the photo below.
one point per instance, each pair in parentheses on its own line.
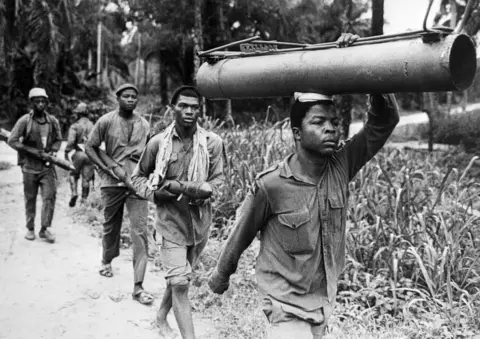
(382,119)
(251,217)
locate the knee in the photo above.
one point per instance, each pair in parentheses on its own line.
(181,288)
(179,284)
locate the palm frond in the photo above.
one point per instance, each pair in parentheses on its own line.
(41,28)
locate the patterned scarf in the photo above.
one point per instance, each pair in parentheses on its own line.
(198,167)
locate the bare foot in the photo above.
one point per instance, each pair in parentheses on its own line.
(164,328)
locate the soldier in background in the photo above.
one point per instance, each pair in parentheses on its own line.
(77,137)
(125,135)
(39,130)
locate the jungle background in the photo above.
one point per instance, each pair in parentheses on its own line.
(413,244)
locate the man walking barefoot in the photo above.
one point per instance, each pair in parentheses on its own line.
(125,135)
(299,207)
(183,151)
(77,137)
(41,131)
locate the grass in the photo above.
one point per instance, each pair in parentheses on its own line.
(413,246)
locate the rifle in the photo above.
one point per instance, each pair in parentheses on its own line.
(195,190)
(116,169)
(36,153)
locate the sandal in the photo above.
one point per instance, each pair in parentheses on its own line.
(143,298)
(106,271)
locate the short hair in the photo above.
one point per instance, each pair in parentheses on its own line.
(186,91)
(299,110)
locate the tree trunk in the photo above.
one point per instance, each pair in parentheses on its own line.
(223,35)
(197,37)
(145,77)
(163,80)
(90,59)
(99,54)
(453,24)
(138,61)
(377,17)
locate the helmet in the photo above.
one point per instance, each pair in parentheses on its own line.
(81,108)
(37,92)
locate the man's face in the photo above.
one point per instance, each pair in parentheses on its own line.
(39,104)
(320,132)
(186,110)
(128,99)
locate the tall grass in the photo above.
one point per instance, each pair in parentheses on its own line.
(413,245)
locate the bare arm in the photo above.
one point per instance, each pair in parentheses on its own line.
(70,141)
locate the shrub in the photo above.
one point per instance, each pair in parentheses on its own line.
(460,129)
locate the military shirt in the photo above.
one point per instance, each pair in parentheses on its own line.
(123,147)
(179,221)
(302,224)
(44,136)
(78,134)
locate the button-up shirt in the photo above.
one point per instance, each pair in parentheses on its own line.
(179,221)
(44,136)
(78,134)
(302,224)
(124,142)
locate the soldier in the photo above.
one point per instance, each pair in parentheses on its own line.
(125,135)
(299,207)
(183,151)
(77,137)
(39,130)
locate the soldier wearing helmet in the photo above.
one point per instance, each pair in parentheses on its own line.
(77,137)
(39,130)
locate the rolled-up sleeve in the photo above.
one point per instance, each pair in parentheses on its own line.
(145,166)
(251,218)
(57,138)
(17,132)
(72,135)
(382,118)
(216,165)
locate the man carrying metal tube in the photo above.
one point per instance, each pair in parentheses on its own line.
(77,137)
(182,155)
(125,135)
(299,207)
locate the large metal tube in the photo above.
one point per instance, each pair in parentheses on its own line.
(410,65)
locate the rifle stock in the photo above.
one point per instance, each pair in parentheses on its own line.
(47,158)
(116,169)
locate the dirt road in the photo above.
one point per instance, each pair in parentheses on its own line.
(54,290)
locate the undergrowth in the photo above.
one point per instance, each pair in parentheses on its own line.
(413,245)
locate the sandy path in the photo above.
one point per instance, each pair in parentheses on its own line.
(53,290)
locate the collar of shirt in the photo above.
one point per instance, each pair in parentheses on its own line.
(287,172)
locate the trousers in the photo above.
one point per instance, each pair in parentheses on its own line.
(281,324)
(46,182)
(114,200)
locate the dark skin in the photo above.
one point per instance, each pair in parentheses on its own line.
(39,104)
(318,137)
(127,101)
(187,111)
(315,141)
